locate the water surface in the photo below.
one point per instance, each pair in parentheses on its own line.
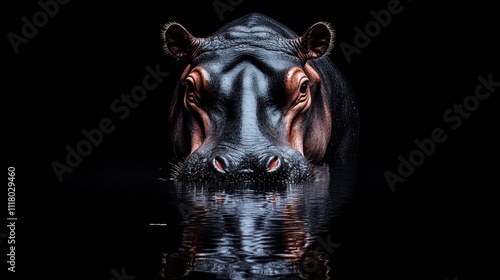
(258,232)
(126,215)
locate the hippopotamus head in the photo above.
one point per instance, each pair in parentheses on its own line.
(251,104)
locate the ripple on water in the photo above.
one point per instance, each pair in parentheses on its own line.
(249,233)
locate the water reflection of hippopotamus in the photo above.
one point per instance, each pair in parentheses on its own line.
(257,102)
(251,232)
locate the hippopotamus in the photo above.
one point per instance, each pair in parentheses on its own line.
(258,103)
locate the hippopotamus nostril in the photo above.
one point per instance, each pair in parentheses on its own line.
(220,163)
(273,163)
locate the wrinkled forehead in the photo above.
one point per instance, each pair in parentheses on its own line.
(256,37)
(249,59)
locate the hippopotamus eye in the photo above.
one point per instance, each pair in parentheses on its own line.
(303,86)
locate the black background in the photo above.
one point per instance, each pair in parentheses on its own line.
(427,59)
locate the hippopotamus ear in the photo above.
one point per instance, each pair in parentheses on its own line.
(317,41)
(177,41)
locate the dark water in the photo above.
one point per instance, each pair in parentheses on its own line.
(124,218)
(258,232)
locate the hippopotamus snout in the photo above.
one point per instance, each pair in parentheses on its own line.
(227,163)
(248,163)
